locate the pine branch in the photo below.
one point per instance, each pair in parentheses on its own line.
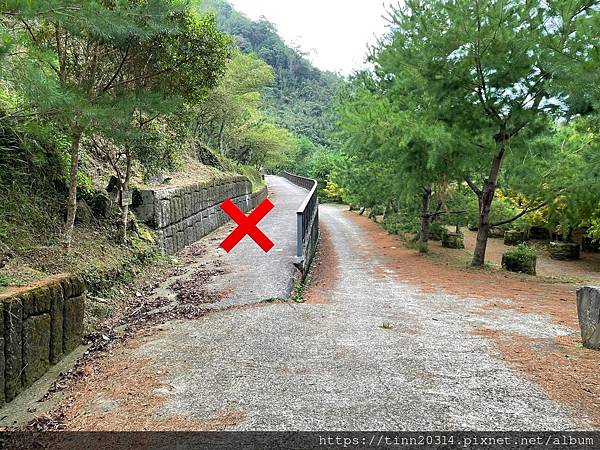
(118,71)
(473,187)
(518,216)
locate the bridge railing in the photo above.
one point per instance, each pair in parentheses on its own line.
(307,219)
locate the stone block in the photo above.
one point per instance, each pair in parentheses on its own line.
(187,204)
(56,323)
(169,246)
(189,238)
(588,311)
(73,286)
(73,313)
(36,301)
(539,233)
(197,201)
(198,230)
(496,233)
(13,347)
(180,240)
(514,237)
(36,348)
(564,251)
(453,240)
(145,211)
(173,211)
(164,217)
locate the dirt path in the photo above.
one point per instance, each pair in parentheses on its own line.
(375,349)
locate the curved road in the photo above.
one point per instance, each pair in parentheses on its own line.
(377,353)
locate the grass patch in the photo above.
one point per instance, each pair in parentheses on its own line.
(9,280)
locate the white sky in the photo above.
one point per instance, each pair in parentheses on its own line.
(336,33)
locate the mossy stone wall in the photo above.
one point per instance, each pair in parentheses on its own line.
(181,216)
(38,326)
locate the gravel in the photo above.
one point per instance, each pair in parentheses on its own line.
(380,354)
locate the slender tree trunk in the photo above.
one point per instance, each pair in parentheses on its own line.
(124,188)
(388,210)
(425,219)
(72,202)
(485,206)
(222,137)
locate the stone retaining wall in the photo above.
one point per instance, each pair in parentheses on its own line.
(182,216)
(38,326)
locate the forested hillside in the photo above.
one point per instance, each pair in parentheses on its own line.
(97,96)
(301,99)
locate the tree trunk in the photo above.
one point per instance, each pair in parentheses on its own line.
(425,220)
(222,137)
(72,202)
(124,188)
(485,202)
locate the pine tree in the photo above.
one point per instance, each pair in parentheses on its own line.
(483,69)
(87,64)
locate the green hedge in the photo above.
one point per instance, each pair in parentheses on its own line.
(520,259)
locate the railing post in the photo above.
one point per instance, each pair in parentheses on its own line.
(306,218)
(299,235)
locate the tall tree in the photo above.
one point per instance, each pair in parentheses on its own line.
(101,59)
(379,129)
(482,68)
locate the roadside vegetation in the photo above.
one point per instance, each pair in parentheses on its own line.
(478,115)
(475,114)
(100,98)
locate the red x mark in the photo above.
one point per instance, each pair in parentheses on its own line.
(247,225)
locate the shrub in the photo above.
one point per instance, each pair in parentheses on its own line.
(437,231)
(520,259)
(453,240)
(401,223)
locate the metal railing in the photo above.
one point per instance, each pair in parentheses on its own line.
(307,217)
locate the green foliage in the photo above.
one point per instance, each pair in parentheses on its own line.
(520,259)
(8,280)
(300,99)
(437,231)
(471,91)
(572,181)
(402,223)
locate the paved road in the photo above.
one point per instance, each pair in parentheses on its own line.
(251,275)
(285,366)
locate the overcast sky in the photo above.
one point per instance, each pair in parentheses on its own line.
(335,32)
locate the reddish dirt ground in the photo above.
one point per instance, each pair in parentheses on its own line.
(568,372)
(324,272)
(587,268)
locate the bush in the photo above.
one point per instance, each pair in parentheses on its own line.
(453,240)
(332,193)
(437,231)
(520,259)
(400,223)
